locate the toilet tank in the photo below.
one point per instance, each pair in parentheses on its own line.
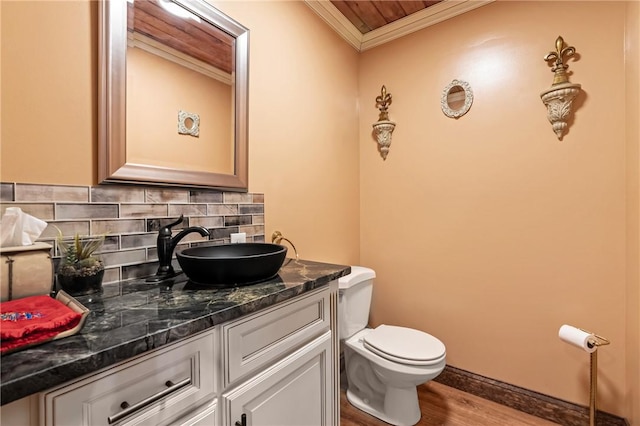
(354,300)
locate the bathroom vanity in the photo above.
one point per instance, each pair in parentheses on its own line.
(171,354)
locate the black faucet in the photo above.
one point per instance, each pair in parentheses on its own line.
(166,245)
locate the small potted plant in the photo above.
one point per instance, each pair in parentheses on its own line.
(80,272)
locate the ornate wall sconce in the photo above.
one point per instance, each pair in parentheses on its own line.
(560,96)
(383,128)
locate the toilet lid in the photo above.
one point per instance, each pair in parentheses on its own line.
(405,345)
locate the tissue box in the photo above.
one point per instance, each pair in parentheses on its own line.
(25,271)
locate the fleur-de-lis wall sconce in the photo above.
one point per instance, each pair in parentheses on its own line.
(383,128)
(559,98)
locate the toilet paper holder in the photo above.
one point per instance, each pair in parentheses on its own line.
(599,340)
(594,341)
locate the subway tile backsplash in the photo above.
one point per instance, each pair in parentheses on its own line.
(131,215)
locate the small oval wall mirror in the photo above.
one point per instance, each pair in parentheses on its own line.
(456,99)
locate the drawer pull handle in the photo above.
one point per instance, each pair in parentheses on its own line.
(129,409)
(243,421)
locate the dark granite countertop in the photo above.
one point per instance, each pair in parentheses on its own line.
(134,317)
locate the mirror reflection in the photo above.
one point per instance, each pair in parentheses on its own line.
(182,117)
(180,63)
(455,98)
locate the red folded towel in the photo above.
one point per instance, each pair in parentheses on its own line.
(32,320)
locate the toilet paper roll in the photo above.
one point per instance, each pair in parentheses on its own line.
(578,338)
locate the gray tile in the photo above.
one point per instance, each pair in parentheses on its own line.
(130,216)
(111,243)
(207,222)
(125,257)
(67,228)
(187,209)
(42,211)
(114,227)
(222,209)
(86,211)
(237,220)
(237,198)
(220,233)
(143,210)
(252,229)
(159,195)
(45,193)
(117,194)
(251,208)
(206,196)
(6,192)
(138,240)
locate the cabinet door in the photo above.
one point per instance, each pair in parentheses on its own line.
(294,392)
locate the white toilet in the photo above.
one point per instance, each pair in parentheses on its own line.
(384,365)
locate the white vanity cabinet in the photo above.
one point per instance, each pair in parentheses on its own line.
(274,367)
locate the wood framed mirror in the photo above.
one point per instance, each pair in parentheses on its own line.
(164,63)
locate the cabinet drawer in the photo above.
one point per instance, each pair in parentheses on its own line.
(261,338)
(155,387)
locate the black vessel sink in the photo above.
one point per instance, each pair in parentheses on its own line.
(232,264)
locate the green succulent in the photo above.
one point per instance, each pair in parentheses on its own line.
(78,255)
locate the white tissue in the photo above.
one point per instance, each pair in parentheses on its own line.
(577,337)
(18,228)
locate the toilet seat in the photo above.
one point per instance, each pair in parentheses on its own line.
(405,345)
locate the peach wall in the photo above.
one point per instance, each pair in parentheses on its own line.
(487,231)
(632,57)
(303,132)
(49,95)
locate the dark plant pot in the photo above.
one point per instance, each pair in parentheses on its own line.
(79,286)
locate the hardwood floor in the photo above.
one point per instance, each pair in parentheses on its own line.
(446,406)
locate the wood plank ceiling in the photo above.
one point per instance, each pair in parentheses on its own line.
(370,15)
(186,34)
(151,19)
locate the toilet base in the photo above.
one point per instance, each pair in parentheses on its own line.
(401,407)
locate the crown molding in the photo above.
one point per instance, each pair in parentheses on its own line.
(430,16)
(336,20)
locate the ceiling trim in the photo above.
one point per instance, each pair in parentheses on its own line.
(336,20)
(426,17)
